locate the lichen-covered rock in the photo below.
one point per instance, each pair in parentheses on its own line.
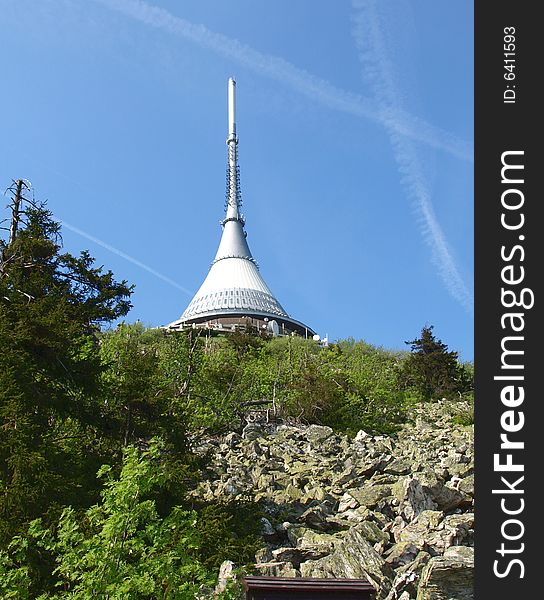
(372,532)
(401,554)
(317,517)
(454,530)
(407,578)
(448,577)
(396,510)
(317,433)
(351,517)
(433,532)
(277,569)
(466,485)
(353,558)
(307,539)
(370,495)
(417,531)
(413,498)
(399,466)
(445,497)
(346,502)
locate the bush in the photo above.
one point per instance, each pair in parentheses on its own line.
(226,530)
(121,548)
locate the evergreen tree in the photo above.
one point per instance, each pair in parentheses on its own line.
(432,369)
(51,306)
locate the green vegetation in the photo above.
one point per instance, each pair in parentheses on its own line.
(119,548)
(51,306)
(433,371)
(75,398)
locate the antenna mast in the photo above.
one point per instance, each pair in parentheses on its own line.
(232,111)
(234,294)
(234,196)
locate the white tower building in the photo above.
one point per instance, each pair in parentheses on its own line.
(234,295)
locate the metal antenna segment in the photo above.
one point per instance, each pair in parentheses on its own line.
(233,193)
(232,109)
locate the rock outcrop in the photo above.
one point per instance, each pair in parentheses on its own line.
(396,510)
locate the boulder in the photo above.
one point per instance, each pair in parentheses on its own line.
(362,437)
(317,433)
(295,556)
(372,532)
(344,477)
(446,498)
(304,538)
(407,578)
(370,495)
(226,575)
(413,498)
(448,577)
(317,517)
(420,529)
(466,485)
(454,530)
(347,501)
(399,466)
(277,569)
(401,554)
(353,558)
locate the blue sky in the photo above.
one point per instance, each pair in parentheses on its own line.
(355,126)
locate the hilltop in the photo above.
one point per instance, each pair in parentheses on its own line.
(128,468)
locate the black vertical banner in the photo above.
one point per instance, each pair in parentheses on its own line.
(509,252)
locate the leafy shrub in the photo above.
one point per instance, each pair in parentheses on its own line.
(121,548)
(226,530)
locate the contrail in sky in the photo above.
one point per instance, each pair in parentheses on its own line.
(109,247)
(126,257)
(396,120)
(369,38)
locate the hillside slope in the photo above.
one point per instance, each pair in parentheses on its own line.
(395,510)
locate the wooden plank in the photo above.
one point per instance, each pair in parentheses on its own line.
(301,588)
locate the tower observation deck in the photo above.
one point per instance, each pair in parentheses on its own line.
(234,295)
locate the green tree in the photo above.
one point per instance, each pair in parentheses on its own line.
(122,547)
(131,392)
(51,306)
(432,369)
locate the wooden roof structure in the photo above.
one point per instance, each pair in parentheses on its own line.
(306,588)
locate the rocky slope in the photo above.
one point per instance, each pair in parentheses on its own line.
(397,511)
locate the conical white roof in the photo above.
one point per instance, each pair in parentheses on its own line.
(234,284)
